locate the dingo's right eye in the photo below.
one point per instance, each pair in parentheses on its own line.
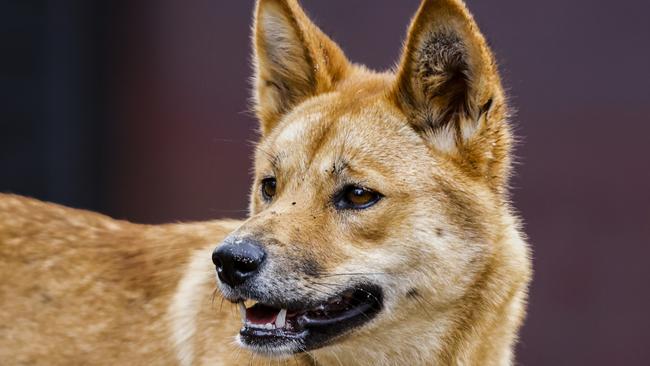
(268,188)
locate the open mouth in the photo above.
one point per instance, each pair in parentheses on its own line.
(274,330)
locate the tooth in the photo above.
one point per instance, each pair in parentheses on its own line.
(242,311)
(280,320)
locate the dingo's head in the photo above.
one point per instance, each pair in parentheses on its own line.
(376,195)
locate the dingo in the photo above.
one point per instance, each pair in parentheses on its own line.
(380,231)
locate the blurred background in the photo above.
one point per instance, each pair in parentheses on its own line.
(139,110)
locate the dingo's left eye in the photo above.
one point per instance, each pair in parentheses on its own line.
(355,197)
(268,188)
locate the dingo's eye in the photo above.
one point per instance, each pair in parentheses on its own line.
(355,197)
(268,188)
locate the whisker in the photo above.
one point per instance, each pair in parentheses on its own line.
(337,358)
(353,274)
(221,304)
(327,294)
(238,353)
(214,295)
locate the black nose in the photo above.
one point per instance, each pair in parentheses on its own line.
(238,260)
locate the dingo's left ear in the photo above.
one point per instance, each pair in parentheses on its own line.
(449,88)
(293,60)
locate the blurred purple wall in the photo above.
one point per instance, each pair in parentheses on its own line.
(578,74)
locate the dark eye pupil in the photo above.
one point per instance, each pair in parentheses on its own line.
(357,197)
(268,188)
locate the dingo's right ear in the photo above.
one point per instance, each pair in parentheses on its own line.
(293,60)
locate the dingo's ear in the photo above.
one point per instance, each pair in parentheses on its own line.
(447,81)
(293,60)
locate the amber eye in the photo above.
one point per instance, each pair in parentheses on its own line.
(355,197)
(268,188)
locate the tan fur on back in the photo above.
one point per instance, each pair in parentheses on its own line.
(81,288)
(443,243)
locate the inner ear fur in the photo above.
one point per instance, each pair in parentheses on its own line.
(448,87)
(447,77)
(293,60)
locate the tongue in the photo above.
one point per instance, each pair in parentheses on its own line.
(261,314)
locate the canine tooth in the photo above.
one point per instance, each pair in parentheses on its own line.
(242,311)
(249,303)
(281,319)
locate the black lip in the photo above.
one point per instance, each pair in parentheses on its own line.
(313,323)
(317,331)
